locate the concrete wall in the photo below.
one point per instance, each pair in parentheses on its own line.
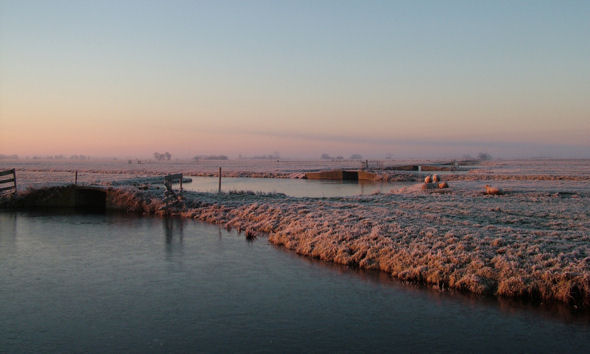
(83,198)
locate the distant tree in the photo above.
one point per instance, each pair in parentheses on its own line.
(165,156)
(356,157)
(339,158)
(326,157)
(483,156)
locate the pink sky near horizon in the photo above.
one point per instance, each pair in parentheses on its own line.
(101,79)
(93,127)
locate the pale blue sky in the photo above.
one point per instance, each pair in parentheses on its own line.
(411,78)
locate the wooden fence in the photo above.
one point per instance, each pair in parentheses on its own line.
(8,184)
(169,179)
(372,165)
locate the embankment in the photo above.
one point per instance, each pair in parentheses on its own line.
(71,196)
(83,198)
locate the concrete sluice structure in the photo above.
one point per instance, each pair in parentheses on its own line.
(342,175)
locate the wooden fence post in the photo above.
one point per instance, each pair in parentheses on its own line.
(219,188)
(76,178)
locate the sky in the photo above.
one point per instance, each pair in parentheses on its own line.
(407,79)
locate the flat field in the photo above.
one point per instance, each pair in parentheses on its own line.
(533,241)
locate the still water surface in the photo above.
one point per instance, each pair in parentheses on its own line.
(292,187)
(96,283)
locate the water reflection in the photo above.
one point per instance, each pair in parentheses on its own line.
(211,290)
(174,227)
(8,231)
(293,187)
(508,306)
(174,236)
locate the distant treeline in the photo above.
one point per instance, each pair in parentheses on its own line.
(482,156)
(210,157)
(8,157)
(79,157)
(260,157)
(47,157)
(352,157)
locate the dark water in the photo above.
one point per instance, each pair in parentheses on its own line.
(292,187)
(108,283)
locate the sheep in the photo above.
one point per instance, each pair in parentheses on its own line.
(493,190)
(428,179)
(443,185)
(435,179)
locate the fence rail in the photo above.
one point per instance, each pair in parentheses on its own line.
(8,184)
(372,165)
(172,178)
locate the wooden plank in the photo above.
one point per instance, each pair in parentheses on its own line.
(7,180)
(7,172)
(7,188)
(173,177)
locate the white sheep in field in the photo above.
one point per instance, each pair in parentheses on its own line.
(443,185)
(493,190)
(435,179)
(428,179)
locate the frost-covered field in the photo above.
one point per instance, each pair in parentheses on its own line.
(533,241)
(37,173)
(515,176)
(532,175)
